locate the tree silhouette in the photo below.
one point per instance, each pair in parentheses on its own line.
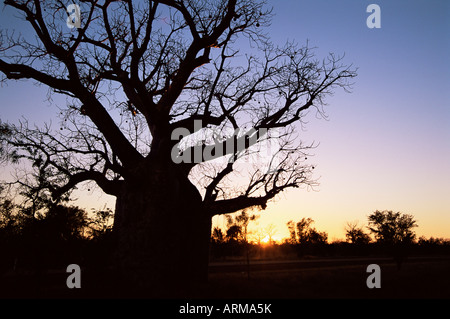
(303,233)
(217,235)
(65,222)
(234,233)
(238,226)
(270,230)
(101,223)
(306,236)
(137,76)
(392,228)
(394,231)
(238,231)
(355,234)
(44,239)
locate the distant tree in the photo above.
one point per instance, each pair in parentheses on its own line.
(317,237)
(303,230)
(217,235)
(304,233)
(355,234)
(430,241)
(238,226)
(292,233)
(63,223)
(101,223)
(52,219)
(48,237)
(8,216)
(258,235)
(394,231)
(434,245)
(392,228)
(270,231)
(10,231)
(234,233)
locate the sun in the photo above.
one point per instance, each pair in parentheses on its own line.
(265,240)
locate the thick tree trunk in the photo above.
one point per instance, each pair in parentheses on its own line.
(162,233)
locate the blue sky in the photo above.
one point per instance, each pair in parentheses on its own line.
(384,146)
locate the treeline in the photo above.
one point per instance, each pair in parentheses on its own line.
(53,236)
(386,234)
(232,250)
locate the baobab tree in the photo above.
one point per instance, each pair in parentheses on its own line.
(138,75)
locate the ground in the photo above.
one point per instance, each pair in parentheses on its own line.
(418,277)
(423,278)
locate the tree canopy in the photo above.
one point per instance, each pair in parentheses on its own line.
(393,228)
(136,71)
